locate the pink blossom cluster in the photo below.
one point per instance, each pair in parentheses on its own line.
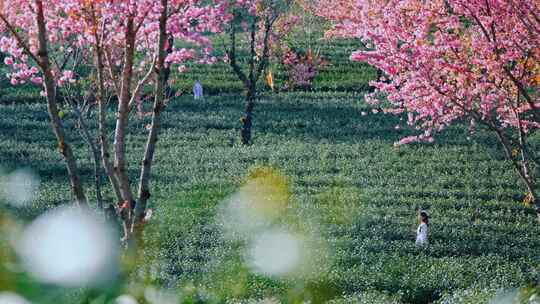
(17,61)
(302,68)
(446,60)
(250,5)
(76,25)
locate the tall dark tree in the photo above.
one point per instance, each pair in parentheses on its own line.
(251,28)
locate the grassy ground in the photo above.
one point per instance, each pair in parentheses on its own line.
(336,159)
(351,188)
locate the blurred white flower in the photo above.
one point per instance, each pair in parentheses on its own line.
(240,218)
(70,247)
(154,296)
(259,202)
(275,253)
(506,297)
(20,187)
(125,299)
(12,298)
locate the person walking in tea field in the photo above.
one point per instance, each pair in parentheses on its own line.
(422,231)
(198,90)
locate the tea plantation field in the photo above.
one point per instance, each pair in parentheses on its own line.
(351,189)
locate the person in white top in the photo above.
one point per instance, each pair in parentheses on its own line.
(422,231)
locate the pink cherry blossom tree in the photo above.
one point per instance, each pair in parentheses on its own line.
(150,31)
(26,42)
(129,45)
(454,61)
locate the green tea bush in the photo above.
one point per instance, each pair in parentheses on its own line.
(350,187)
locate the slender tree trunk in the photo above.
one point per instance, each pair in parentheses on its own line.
(535,199)
(163,73)
(532,188)
(52,107)
(123,116)
(103,137)
(85,133)
(97,162)
(255,71)
(522,168)
(527,167)
(128,203)
(97,178)
(248,117)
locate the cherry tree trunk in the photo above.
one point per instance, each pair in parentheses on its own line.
(163,73)
(123,117)
(247,120)
(103,137)
(52,107)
